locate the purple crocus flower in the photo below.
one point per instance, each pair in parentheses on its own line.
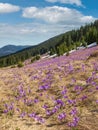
(65,96)
(5,111)
(59,101)
(89,80)
(83,67)
(78,88)
(70,101)
(39,119)
(73,80)
(96,87)
(83,97)
(93,83)
(73,111)
(6,105)
(54,110)
(64,92)
(17,109)
(44,87)
(22,114)
(33,115)
(74,123)
(71,68)
(48,112)
(11,107)
(62,116)
(45,106)
(57,107)
(29,90)
(36,100)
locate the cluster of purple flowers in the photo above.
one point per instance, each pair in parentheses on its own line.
(8,107)
(74,123)
(44,87)
(61,101)
(36,117)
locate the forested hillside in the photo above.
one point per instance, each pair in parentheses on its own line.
(60,44)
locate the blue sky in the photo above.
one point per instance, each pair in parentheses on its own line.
(29,22)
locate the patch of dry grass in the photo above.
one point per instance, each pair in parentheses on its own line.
(57,77)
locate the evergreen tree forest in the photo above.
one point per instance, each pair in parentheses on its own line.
(60,44)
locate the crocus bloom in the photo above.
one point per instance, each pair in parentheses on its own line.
(61,116)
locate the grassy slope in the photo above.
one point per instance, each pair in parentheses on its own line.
(61,72)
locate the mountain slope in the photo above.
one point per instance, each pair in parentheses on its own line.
(52,94)
(10,49)
(59,44)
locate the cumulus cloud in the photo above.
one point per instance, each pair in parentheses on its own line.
(76,2)
(8,8)
(46,23)
(57,14)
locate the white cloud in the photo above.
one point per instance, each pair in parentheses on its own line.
(87,19)
(8,8)
(57,14)
(46,23)
(30,33)
(76,2)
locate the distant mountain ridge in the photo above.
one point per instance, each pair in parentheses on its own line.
(9,49)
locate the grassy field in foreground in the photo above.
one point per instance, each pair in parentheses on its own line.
(52,94)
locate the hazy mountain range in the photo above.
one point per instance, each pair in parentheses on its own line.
(9,49)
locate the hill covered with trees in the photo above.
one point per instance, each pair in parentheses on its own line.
(60,44)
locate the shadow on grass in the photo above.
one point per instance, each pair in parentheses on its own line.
(58,124)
